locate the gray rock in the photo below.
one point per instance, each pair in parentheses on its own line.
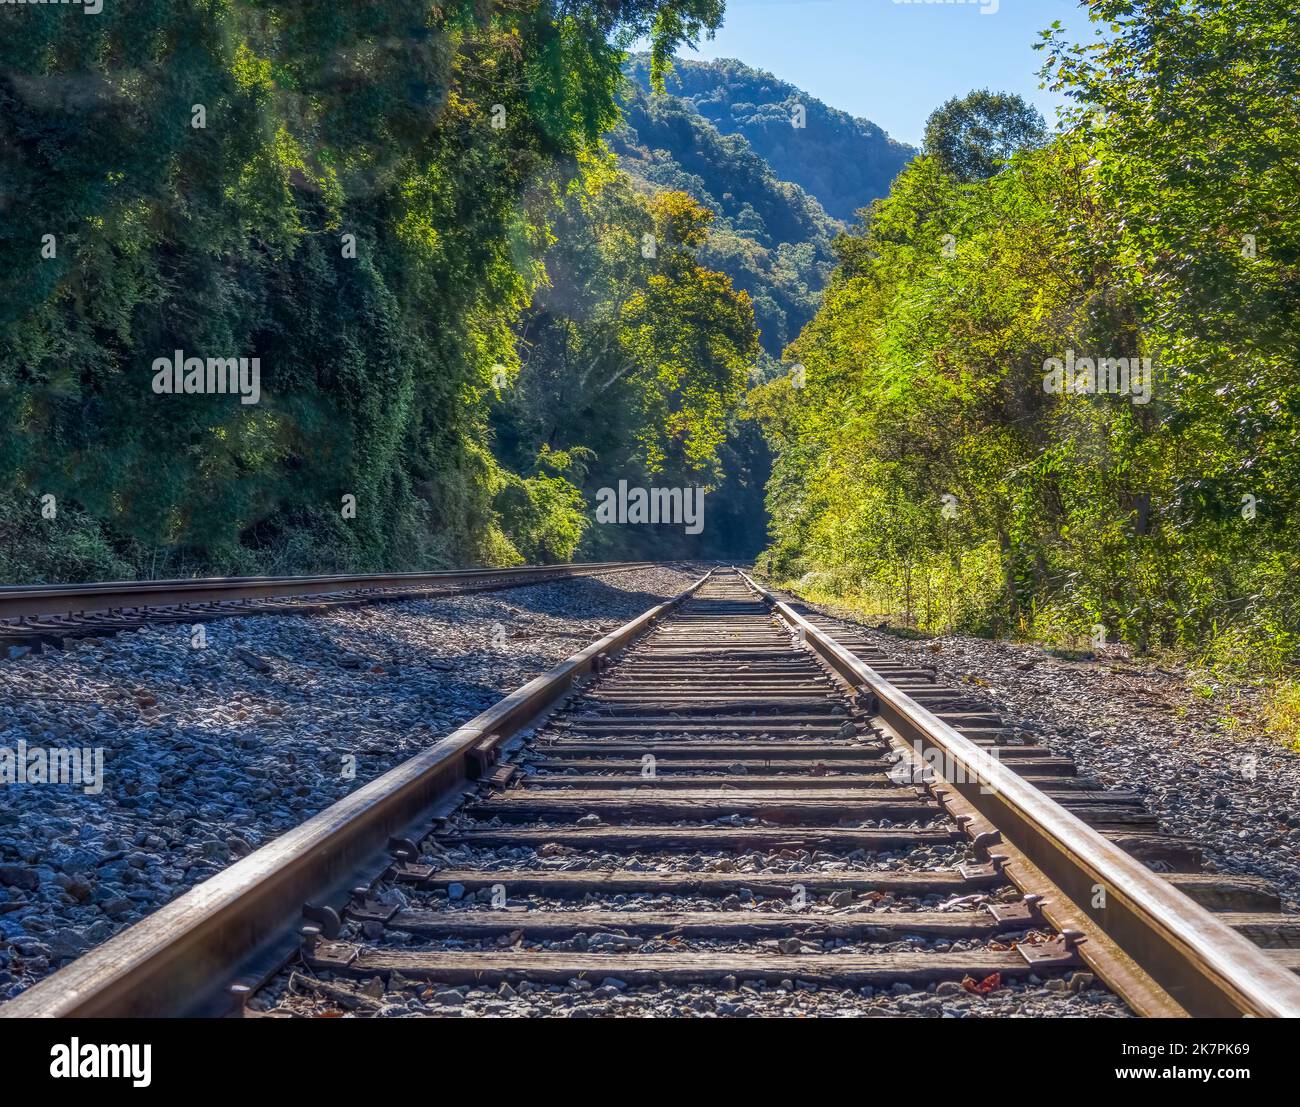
(18,876)
(1081,981)
(65,943)
(117,907)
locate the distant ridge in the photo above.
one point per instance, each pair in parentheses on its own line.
(843,161)
(770,236)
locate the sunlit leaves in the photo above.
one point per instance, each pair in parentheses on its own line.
(1165,224)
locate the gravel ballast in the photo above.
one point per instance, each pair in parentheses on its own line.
(302,995)
(211,752)
(300,991)
(1141,728)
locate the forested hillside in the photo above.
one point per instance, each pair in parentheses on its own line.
(842,161)
(770,237)
(723,133)
(934,466)
(405,214)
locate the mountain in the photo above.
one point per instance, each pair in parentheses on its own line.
(722,133)
(770,236)
(843,161)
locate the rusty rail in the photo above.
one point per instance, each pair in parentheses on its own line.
(28,600)
(239,925)
(1206,967)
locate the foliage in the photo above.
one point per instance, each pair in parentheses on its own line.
(1281,712)
(769,236)
(546,517)
(1164,223)
(972,136)
(718,139)
(372,120)
(843,162)
(629,365)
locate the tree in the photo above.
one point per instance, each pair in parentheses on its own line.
(973,136)
(633,354)
(1162,227)
(360,200)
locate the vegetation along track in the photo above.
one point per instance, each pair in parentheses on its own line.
(35,616)
(735,801)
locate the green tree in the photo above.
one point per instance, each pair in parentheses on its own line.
(633,354)
(1161,226)
(198,164)
(973,136)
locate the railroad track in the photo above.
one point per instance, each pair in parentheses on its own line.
(37,616)
(726,798)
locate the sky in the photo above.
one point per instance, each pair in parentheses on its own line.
(894,63)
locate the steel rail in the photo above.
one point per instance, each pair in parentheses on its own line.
(1208,968)
(28,600)
(183,958)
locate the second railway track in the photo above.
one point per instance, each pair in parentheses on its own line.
(35,616)
(735,805)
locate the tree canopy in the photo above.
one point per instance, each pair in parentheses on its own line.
(973,136)
(927,463)
(362,197)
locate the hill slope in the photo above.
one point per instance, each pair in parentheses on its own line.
(843,161)
(727,141)
(770,236)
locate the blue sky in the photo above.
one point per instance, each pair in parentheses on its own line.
(894,63)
